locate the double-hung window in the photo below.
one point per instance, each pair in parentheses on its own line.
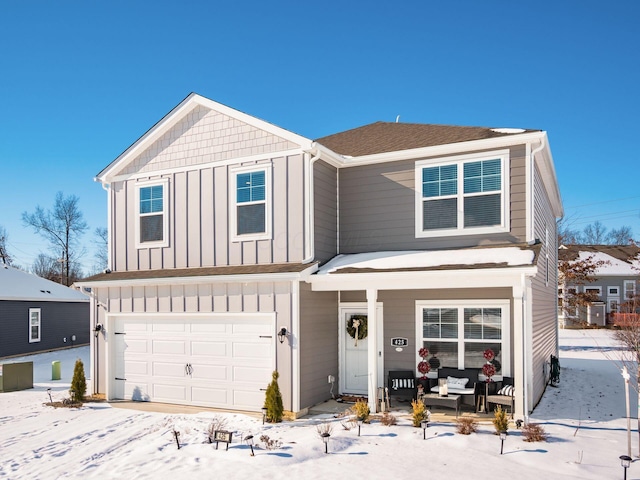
(152,212)
(252,210)
(458,333)
(629,289)
(34,325)
(462,195)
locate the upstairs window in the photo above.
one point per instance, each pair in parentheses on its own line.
(251,213)
(34,325)
(467,194)
(152,214)
(629,289)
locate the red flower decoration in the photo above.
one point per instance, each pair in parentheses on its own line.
(489,355)
(488,370)
(423,368)
(423,352)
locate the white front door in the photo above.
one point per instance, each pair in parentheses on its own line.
(354,375)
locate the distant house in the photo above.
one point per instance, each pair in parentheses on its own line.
(613,283)
(39,315)
(237,247)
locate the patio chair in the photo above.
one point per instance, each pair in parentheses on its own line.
(504,395)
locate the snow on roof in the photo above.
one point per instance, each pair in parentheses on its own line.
(511,256)
(614,265)
(18,285)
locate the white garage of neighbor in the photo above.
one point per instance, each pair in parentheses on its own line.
(210,360)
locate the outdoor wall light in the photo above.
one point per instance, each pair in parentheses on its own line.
(249,440)
(625,461)
(264,414)
(98,329)
(282,334)
(503,437)
(325,438)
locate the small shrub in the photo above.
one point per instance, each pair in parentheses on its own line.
(217,423)
(533,432)
(418,412)
(324,428)
(270,443)
(78,388)
(361,411)
(466,425)
(273,400)
(500,420)
(388,419)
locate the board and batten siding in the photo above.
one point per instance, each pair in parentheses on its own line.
(544,322)
(199,220)
(377,209)
(218,298)
(318,345)
(325,183)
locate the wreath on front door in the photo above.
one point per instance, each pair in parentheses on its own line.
(357,327)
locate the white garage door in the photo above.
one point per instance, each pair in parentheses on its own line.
(223,362)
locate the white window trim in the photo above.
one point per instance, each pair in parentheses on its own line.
(613,294)
(633,290)
(165,213)
(33,310)
(461,304)
(593,287)
(233,210)
(460,160)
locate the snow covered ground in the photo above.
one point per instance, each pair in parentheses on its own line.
(584,417)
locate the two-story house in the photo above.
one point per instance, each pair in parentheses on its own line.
(612,286)
(237,248)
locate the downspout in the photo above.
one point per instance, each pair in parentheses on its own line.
(107,188)
(308,194)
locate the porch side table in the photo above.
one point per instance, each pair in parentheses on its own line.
(450,401)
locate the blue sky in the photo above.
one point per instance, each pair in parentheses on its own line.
(80,81)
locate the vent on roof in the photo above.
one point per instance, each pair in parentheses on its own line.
(507,130)
(45,291)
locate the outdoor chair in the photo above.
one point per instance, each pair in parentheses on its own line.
(504,395)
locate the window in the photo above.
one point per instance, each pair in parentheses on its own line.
(467,194)
(457,335)
(629,289)
(593,290)
(251,213)
(152,224)
(613,291)
(34,325)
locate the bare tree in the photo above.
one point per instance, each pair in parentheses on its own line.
(566,234)
(595,234)
(62,227)
(101,256)
(4,253)
(46,267)
(571,275)
(620,236)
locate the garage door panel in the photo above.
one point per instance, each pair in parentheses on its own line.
(133,327)
(250,350)
(215,349)
(248,398)
(133,367)
(244,328)
(138,391)
(136,345)
(210,396)
(217,373)
(173,327)
(169,347)
(169,392)
(204,327)
(168,369)
(252,374)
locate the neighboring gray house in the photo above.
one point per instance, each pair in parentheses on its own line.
(237,248)
(613,284)
(38,315)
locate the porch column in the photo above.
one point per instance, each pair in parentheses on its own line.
(519,370)
(372,348)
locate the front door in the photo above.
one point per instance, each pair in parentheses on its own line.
(353,336)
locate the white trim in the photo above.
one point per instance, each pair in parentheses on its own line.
(164,182)
(613,294)
(624,289)
(505,340)
(593,287)
(295,346)
(39,312)
(460,161)
(268,204)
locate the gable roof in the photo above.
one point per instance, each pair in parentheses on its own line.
(621,259)
(383,137)
(18,285)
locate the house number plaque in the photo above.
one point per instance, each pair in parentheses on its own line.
(399,342)
(222,436)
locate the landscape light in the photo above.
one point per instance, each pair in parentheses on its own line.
(503,436)
(249,440)
(325,438)
(625,461)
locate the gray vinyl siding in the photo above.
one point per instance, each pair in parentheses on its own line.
(318,345)
(199,220)
(58,320)
(325,213)
(544,341)
(242,297)
(399,312)
(377,209)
